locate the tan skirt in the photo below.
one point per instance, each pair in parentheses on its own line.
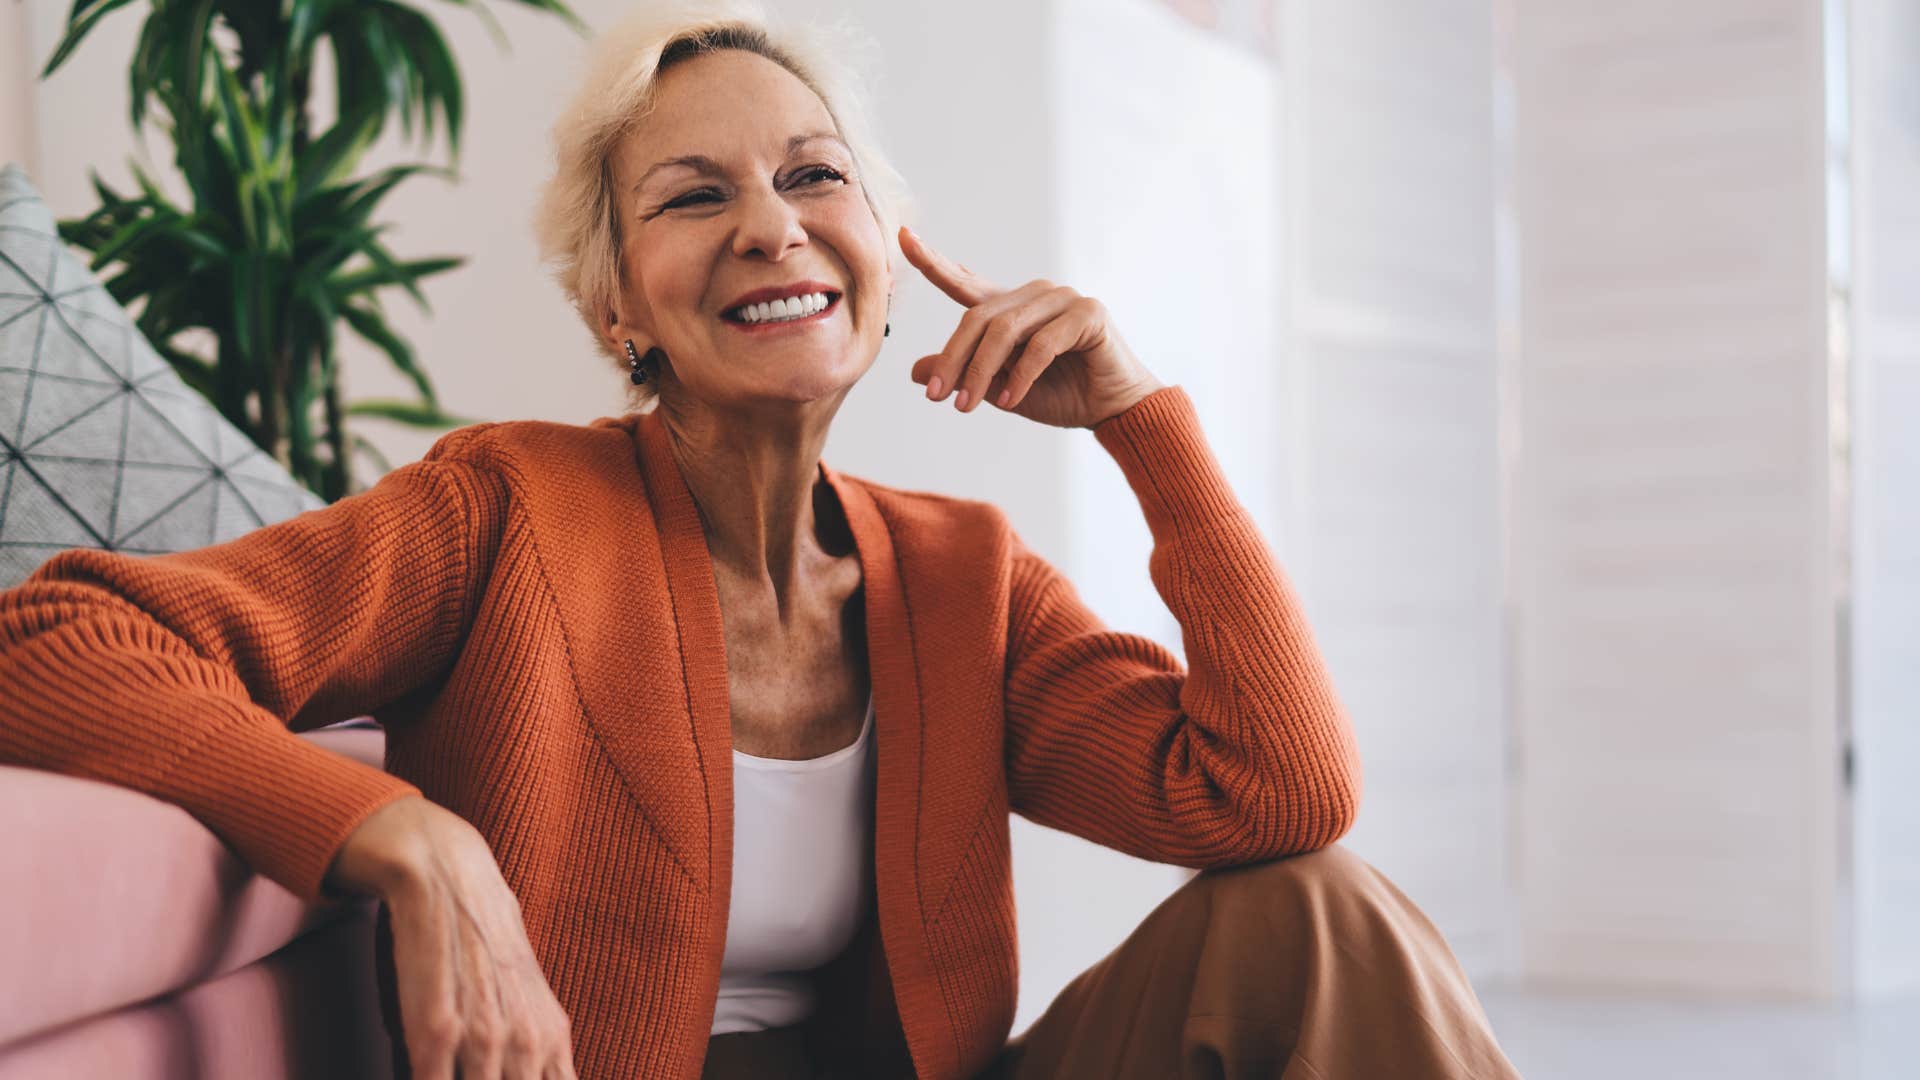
(1312,967)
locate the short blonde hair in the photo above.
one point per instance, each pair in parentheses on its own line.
(578,220)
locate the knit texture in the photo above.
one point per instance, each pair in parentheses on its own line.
(531,613)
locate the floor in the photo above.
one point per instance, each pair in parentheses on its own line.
(1560,1035)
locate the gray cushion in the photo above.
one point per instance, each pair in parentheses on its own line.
(101,444)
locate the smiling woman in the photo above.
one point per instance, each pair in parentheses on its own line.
(700,754)
(638,158)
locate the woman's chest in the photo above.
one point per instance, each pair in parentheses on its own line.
(798,685)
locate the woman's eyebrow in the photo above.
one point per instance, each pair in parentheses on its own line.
(799,141)
(705,164)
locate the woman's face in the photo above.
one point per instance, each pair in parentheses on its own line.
(735,185)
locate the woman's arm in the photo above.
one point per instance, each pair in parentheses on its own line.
(1249,755)
(179,675)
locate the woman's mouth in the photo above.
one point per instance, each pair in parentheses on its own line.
(773,315)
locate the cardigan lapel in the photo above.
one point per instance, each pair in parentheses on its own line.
(649,662)
(899,777)
(703,647)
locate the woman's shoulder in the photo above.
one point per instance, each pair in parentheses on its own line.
(932,513)
(549,469)
(532,444)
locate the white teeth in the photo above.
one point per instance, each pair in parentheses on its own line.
(795,307)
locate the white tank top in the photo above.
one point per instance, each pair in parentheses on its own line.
(802,866)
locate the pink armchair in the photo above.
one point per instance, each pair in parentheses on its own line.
(135,945)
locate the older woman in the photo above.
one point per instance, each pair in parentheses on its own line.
(701,753)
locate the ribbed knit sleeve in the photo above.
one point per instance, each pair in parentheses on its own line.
(1247,756)
(179,675)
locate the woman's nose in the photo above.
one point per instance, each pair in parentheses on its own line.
(769,226)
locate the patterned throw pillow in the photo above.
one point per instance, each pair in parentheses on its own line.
(101,444)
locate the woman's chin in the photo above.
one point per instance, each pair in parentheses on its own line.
(827,385)
(791,388)
(807,379)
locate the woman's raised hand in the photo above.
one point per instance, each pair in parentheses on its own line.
(1042,350)
(472,995)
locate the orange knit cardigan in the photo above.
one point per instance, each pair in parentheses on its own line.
(531,612)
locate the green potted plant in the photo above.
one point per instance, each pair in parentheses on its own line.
(277,248)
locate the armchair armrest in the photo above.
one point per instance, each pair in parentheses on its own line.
(113,897)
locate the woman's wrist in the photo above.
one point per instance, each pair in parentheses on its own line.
(1133,396)
(388,852)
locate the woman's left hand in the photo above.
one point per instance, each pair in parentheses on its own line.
(1042,350)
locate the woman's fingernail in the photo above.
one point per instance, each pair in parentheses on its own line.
(934,386)
(960,402)
(1005,396)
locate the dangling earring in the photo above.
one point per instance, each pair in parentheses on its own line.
(636,371)
(887,330)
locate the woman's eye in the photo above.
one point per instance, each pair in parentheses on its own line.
(812,174)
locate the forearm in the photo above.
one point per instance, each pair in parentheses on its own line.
(1266,745)
(179,675)
(171,726)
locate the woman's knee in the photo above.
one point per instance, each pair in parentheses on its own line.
(1331,867)
(1331,879)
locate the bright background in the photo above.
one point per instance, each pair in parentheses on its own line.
(1568,354)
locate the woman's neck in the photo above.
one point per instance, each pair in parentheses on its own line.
(768,513)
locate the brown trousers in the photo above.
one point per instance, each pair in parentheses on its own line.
(1312,967)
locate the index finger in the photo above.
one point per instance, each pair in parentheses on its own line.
(963,285)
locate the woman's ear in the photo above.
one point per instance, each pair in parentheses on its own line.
(614,330)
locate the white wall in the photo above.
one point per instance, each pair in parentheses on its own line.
(1387,427)
(1163,195)
(16,101)
(1885,519)
(1676,607)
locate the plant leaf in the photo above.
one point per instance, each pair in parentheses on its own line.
(189,39)
(492,22)
(328,158)
(354,283)
(433,76)
(411,413)
(566,13)
(370,325)
(86,14)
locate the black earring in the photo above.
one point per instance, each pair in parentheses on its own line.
(887,331)
(633,365)
(640,367)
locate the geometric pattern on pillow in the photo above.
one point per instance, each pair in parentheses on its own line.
(101,443)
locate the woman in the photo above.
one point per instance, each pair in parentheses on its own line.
(700,752)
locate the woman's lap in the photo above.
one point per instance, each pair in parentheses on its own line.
(1298,968)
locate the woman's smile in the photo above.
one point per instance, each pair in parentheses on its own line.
(765,321)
